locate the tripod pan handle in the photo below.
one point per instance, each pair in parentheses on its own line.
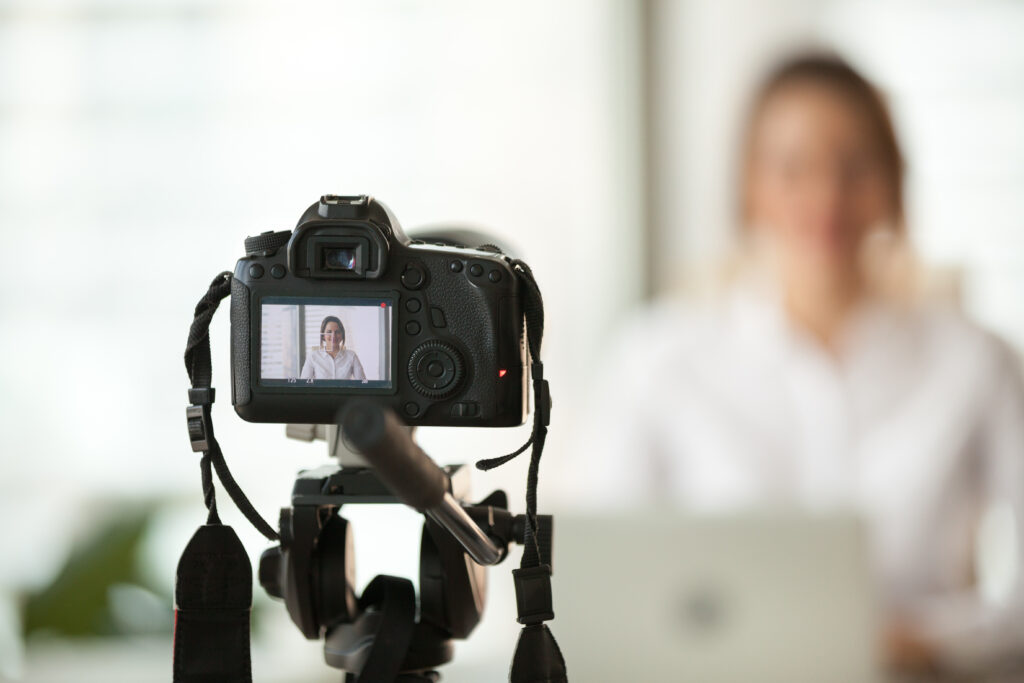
(384,441)
(411,475)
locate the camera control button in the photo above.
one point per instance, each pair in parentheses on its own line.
(435,369)
(413,305)
(494,276)
(476,270)
(413,277)
(437,317)
(255,271)
(412,327)
(465,409)
(411,409)
(277,270)
(455,266)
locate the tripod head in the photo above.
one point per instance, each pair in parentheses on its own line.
(312,569)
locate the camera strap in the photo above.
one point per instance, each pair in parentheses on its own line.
(537,658)
(213,587)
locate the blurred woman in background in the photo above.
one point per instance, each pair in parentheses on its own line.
(817,380)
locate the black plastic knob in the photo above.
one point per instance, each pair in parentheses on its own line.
(270,571)
(266,241)
(413,278)
(436,369)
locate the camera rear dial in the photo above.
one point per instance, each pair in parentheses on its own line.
(436,369)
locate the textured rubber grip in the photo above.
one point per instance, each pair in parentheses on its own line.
(267,241)
(384,441)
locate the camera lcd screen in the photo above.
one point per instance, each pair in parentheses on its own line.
(326,342)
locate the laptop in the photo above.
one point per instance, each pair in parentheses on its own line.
(715,599)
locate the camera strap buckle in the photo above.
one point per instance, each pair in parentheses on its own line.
(197,415)
(541,394)
(533,594)
(537,656)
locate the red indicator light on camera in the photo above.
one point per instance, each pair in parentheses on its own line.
(502,373)
(383,304)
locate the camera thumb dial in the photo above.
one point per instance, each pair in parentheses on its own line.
(435,369)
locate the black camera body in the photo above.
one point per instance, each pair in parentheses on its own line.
(346,305)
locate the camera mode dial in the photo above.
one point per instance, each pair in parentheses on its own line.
(266,241)
(435,369)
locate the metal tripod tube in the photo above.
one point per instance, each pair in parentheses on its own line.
(412,476)
(470,536)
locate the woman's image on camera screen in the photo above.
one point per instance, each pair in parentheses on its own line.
(331,360)
(337,342)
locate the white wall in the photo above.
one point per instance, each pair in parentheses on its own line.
(954,76)
(140,143)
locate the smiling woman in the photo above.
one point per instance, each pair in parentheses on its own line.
(331,360)
(806,383)
(140,142)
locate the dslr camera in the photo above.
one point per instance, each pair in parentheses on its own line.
(346,305)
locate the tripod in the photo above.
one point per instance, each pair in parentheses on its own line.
(378,636)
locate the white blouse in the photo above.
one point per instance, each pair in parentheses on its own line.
(320,365)
(917,423)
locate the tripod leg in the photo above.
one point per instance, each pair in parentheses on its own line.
(377,642)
